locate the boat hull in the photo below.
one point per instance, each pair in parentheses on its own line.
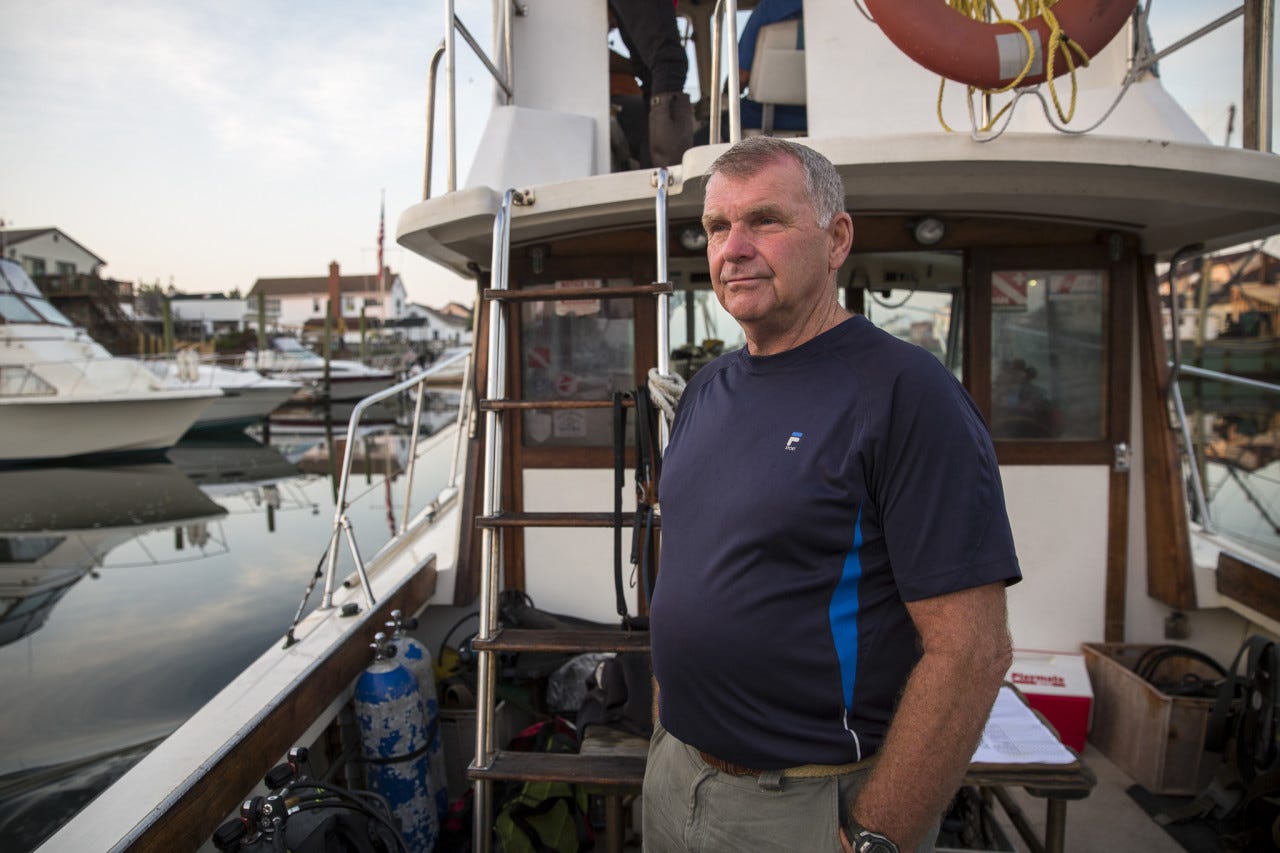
(63,427)
(240,407)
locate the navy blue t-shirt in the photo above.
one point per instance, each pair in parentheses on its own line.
(805,496)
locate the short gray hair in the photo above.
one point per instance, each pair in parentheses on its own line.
(822,183)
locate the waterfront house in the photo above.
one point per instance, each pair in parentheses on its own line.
(436,327)
(298,303)
(48,251)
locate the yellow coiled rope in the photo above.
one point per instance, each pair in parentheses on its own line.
(1058,41)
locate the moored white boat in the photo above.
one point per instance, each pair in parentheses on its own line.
(63,395)
(287,359)
(248,396)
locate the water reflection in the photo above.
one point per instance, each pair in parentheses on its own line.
(130,595)
(57,525)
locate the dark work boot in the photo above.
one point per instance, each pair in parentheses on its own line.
(670,127)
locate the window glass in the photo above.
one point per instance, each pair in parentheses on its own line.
(46,310)
(700,330)
(916,297)
(1047,354)
(14,310)
(575,350)
(16,279)
(27,549)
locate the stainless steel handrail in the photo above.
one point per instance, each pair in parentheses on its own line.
(447,50)
(662,179)
(725,8)
(341,524)
(495,388)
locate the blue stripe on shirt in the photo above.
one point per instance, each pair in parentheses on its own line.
(843,613)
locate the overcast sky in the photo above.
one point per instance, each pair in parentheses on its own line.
(215,143)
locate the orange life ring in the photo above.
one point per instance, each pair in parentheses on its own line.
(990,56)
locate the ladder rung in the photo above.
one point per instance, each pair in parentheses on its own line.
(556,519)
(506,405)
(561,294)
(565,640)
(609,770)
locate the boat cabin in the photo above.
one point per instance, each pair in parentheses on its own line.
(1025,258)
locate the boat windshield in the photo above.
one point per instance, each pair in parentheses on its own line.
(21,301)
(291,348)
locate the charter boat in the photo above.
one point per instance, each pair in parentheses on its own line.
(1023,253)
(247,398)
(63,395)
(289,359)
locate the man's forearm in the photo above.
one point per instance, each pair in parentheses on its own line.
(935,730)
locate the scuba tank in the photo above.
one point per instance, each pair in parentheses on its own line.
(418,659)
(393,736)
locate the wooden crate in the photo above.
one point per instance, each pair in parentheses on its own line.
(1155,738)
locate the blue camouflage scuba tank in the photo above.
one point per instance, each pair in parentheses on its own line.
(417,657)
(393,736)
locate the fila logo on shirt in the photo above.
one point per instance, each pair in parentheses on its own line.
(794,441)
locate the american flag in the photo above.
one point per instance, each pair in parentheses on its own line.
(382,216)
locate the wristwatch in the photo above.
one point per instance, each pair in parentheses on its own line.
(866,841)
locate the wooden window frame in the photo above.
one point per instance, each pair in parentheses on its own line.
(1117,319)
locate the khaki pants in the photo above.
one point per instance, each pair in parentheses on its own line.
(691,807)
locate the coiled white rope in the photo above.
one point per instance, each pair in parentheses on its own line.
(665,390)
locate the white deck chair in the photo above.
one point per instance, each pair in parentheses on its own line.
(777,73)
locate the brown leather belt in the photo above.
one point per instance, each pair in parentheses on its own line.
(804,771)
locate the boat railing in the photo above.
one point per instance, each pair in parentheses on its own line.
(448,52)
(73,377)
(725,9)
(1257,71)
(1195,454)
(342,523)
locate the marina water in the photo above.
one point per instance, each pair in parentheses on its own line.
(131,593)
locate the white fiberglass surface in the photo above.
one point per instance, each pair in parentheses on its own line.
(1059,519)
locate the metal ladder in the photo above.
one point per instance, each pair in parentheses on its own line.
(612,773)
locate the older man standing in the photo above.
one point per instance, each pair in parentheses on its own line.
(828,625)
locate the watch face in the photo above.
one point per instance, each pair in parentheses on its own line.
(873,842)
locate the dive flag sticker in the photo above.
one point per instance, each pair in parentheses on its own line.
(794,441)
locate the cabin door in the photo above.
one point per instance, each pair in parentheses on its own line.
(1049,366)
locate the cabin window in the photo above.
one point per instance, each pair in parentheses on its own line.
(700,328)
(46,310)
(914,296)
(575,350)
(27,549)
(14,310)
(1047,354)
(66,268)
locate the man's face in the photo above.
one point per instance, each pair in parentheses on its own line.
(770,261)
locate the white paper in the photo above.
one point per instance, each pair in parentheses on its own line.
(1015,735)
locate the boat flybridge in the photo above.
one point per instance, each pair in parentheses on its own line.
(1025,250)
(63,395)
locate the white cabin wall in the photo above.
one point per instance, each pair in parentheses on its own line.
(571,571)
(1059,519)
(860,84)
(557,126)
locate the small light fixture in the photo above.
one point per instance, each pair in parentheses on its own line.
(929,230)
(693,238)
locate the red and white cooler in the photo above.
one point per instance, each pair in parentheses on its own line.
(1057,685)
